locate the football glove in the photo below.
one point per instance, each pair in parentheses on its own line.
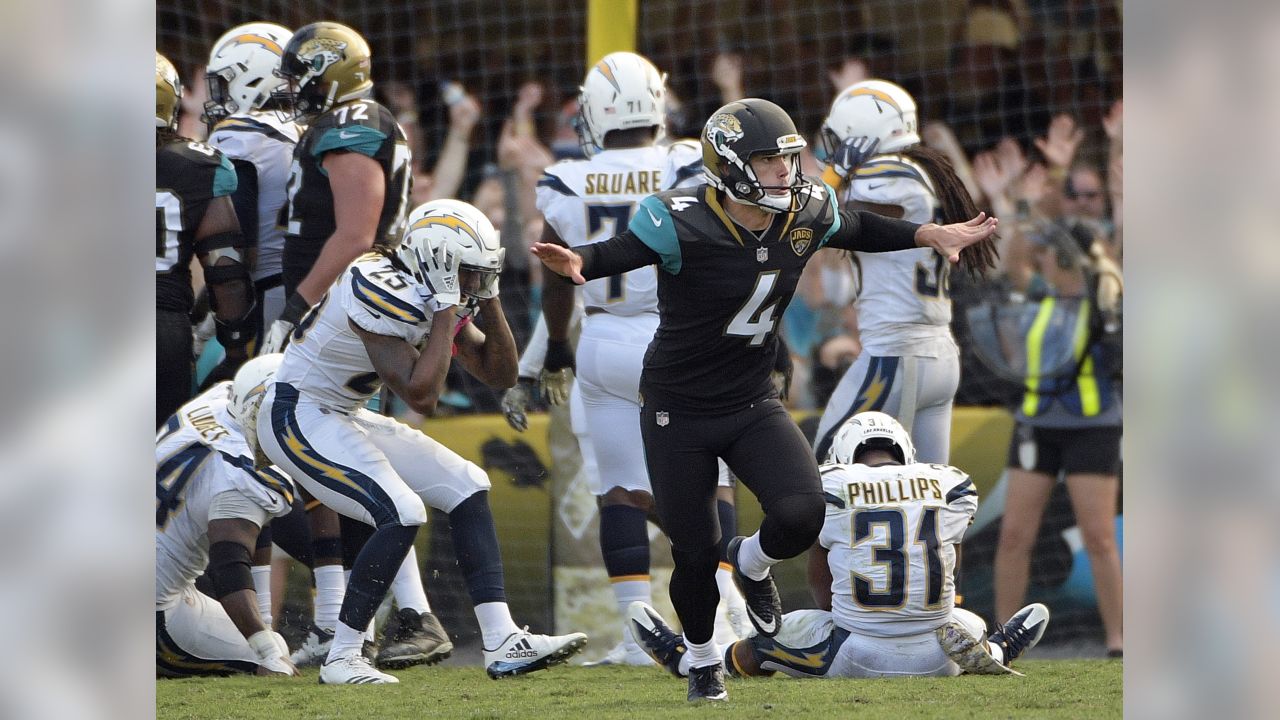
(272,652)
(278,334)
(440,275)
(782,370)
(853,152)
(515,403)
(557,372)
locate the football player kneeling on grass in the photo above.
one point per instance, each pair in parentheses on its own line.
(211,502)
(883,572)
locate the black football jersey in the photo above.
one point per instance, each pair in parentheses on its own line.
(188,175)
(361,126)
(721,294)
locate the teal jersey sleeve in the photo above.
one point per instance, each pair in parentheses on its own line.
(224,177)
(652,223)
(355,138)
(835,215)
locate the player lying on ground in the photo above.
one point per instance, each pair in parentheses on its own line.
(210,504)
(883,570)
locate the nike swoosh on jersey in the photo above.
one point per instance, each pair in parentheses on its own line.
(656,221)
(344,135)
(768,628)
(873,187)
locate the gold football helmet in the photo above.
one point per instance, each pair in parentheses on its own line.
(325,63)
(168,93)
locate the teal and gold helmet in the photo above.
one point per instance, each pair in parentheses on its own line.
(168,93)
(324,64)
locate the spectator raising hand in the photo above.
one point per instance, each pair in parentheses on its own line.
(726,73)
(1060,143)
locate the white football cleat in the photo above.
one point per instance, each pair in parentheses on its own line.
(355,669)
(624,653)
(523,652)
(314,649)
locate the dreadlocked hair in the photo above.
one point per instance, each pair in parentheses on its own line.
(957,206)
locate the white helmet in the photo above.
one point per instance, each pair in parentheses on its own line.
(623,91)
(247,390)
(871,109)
(464,227)
(242,69)
(871,430)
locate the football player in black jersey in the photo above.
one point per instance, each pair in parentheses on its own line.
(349,184)
(194,216)
(730,254)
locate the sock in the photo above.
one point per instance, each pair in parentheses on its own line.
(728,591)
(625,593)
(752,561)
(375,567)
(262,587)
(407,587)
(997,652)
(331,585)
(346,641)
(475,543)
(496,624)
(702,654)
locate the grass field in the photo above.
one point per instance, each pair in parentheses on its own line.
(1052,689)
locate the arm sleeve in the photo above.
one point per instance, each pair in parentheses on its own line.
(245,200)
(868,232)
(616,255)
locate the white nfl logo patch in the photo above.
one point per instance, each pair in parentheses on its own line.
(762,254)
(663,418)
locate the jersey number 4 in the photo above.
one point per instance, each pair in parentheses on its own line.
(755,319)
(891,554)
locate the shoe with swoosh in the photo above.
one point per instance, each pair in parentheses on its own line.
(764,607)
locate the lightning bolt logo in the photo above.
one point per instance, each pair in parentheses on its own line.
(303,454)
(448,221)
(251,39)
(809,660)
(880,95)
(874,391)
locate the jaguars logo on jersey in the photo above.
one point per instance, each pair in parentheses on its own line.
(800,239)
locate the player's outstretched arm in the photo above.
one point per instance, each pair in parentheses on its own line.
(560,260)
(949,240)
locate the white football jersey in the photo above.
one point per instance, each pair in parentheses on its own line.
(261,138)
(587,201)
(199,454)
(325,360)
(903,300)
(891,532)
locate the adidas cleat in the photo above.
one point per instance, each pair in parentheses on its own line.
(764,607)
(523,652)
(353,669)
(656,638)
